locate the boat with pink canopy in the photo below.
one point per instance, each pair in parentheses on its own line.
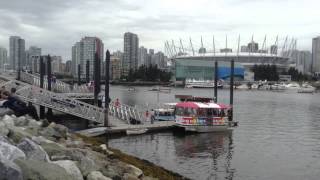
(203,116)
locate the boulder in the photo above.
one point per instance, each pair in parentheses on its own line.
(33,151)
(130,169)
(70,168)
(106,150)
(8,120)
(21,121)
(9,170)
(96,175)
(56,131)
(55,150)
(5,139)
(39,170)
(10,152)
(70,143)
(4,131)
(34,123)
(41,140)
(16,134)
(128,176)
(5,111)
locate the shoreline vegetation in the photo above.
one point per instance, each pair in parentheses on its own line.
(31,149)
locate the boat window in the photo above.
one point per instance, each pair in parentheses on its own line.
(179,111)
(189,112)
(202,112)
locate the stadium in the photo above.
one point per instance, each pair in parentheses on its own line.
(189,64)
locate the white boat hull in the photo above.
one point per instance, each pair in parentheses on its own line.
(204,129)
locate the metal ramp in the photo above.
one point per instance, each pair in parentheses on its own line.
(62,102)
(57,86)
(125,112)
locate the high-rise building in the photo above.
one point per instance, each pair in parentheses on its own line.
(68,66)
(130,53)
(115,66)
(17,52)
(253,46)
(84,51)
(151,51)
(244,49)
(304,62)
(56,62)
(316,54)
(3,57)
(143,56)
(158,59)
(32,58)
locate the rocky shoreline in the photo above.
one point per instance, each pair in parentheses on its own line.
(37,150)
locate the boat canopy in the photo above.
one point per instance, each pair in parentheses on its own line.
(197,105)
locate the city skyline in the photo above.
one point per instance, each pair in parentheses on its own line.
(56,25)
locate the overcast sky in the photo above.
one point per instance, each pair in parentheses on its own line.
(55,25)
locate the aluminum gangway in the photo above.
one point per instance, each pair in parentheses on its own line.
(57,85)
(65,104)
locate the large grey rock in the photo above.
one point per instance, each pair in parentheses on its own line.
(10,152)
(130,169)
(106,150)
(21,121)
(8,120)
(96,175)
(4,131)
(39,170)
(33,151)
(16,134)
(9,170)
(71,168)
(5,111)
(128,176)
(34,123)
(41,140)
(55,130)
(5,139)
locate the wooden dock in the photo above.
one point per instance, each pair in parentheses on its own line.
(156,126)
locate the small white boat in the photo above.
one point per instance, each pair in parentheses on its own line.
(192,83)
(306,88)
(278,87)
(136,131)
(293,86)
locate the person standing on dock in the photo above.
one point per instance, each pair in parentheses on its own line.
(117,103)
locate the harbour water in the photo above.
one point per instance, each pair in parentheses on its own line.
(278,137)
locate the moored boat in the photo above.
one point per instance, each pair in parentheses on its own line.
(203,117)
(306,88)
(164,114)
(192,83)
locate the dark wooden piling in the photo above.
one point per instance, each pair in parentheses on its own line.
(231,87)
(215,81)
(96,79)
(106,91)
(42,70)
(49,79)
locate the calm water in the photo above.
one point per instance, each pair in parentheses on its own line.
(278,137)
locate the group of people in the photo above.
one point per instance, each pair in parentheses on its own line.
(12,101)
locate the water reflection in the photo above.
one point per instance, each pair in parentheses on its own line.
(215,147)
